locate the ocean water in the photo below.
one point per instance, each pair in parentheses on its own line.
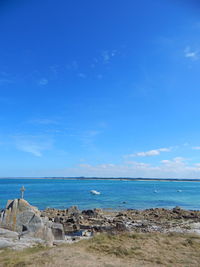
(115,194)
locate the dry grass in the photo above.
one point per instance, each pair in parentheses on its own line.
(158,249)
(113,250)
(23,258)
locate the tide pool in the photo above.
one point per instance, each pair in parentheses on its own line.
(115,194)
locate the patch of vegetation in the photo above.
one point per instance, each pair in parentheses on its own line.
(154,248)
(123,245)
(11,258)
(141,249)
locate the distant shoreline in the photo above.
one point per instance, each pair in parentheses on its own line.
(106,178)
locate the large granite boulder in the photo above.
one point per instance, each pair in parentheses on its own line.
(58,231)
(25,219)
(17,214)
(4,233)
(10,239)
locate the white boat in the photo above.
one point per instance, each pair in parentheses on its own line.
(179,190)
(155,190)
(94,192)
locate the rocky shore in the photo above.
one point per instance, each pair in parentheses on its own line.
(22,225)
(149,220)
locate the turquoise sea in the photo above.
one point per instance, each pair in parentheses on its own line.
(115,194)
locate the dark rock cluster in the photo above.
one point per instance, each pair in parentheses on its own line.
(97,220)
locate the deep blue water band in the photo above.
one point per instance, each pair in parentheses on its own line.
(115,194)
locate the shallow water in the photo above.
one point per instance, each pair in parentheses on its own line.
(115,194)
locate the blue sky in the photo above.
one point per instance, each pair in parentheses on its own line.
(100,88)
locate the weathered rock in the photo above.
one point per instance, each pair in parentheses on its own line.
(25,219)
(70,227)
(103,228)
(58,231)
(85,227)
(4,243)
(8,234)
(90,213)
(149,220)
(46,234)
(70,220)
(73,210)
(10,239)
(121,226)
(176,209)
(17,215)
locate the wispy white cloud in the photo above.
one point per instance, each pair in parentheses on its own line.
(149,153)
(5,78)
(95,61)
(73,65)
(88,138)
(99,76)
(196,147)
(43,82)
(107,55)
(30,148)
(85,165)
(174,161)
(175,168)
(43,121)
(92,133)
(82,75)
(54,69)
(102,124)
(34,145)
(191,54)
(137,164)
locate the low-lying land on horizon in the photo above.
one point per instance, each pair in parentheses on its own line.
(110,178)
